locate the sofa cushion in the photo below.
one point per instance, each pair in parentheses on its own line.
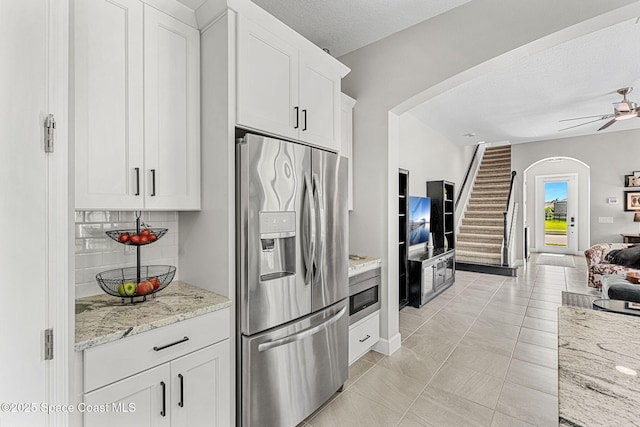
(629,257)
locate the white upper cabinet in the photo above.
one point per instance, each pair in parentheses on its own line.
(346,150)
(172,112)
(108,104)
(136,109)
(267,94)
(287,88)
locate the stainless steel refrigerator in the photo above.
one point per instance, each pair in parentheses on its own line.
(292,284)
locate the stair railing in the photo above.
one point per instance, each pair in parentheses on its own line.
(508,221)
(464,191)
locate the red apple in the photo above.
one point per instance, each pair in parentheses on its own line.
(145,232)
(134,239)
(152,237)
(144,238)
(144,288)
(124,237)
(155,282)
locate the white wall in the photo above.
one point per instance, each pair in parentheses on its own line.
(609,156)
(421,152)
(396,73)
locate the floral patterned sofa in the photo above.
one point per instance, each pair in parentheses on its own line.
(598,266)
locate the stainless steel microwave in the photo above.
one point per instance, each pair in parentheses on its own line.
(364,294)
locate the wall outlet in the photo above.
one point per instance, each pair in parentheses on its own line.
(130,249)
(605,220)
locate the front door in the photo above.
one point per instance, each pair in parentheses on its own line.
(556,213)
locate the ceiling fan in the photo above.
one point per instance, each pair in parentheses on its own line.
(622,110)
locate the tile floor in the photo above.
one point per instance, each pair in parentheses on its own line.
(483,353)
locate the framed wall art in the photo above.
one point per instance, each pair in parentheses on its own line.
(632,200)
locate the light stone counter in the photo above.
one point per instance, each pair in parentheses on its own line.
(594,347)
(361,263)
(104,318)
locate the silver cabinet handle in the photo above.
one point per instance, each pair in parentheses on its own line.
(302,334)
(365,338)
(185,339)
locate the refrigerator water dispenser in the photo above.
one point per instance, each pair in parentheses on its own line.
(278,245)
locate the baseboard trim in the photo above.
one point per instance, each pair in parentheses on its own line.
(390,346)
(487,269)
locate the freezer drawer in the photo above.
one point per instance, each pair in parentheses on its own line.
(289,372)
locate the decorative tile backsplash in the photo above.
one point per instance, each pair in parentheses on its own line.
(96,252)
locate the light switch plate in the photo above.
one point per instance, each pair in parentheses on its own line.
(605,220)
(612,200)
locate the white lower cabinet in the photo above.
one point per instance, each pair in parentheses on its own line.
(176,375)
(363,335)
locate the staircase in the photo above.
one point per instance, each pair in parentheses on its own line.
(479,240)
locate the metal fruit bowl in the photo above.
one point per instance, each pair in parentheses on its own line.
(157,232)
(110,280)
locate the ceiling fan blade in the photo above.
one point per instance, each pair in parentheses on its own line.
(582,124)
(606,125)
(602,117)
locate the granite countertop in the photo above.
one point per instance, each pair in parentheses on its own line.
(104,318)
(594,348)
(361,263)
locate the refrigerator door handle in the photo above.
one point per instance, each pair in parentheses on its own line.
(308,230)
(299,336)
(322,221)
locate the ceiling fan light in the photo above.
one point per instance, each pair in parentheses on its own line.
(625,116)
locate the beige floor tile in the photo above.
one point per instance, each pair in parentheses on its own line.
(356,370)
(533,376)
(502,316)
(509,299)
(373,356)
(547,305)
(411,420)
(410,322)
(540,324)
(425,311)
(502,420)
(494,327)
(436,347)
(529,405)
(506,307)
(492,343)
(546,297)
(541,338)
(515,292)
(480,360)
(411,364)
(536,354)
(541,313)
(469,384)
(388,388)
(352,409)
(453,324)
(405,333)
(439,408)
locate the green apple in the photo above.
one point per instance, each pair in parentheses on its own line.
(121,290)
(129,288)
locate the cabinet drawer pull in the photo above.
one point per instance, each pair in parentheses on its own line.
(181,403)
(297,117)
(137,181)
(185,339)
(153,182)
(164,399)
(365,338)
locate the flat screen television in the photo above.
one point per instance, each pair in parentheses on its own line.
(419,220)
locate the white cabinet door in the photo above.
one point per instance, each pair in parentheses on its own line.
(346,141)
(200,388)
(172,119)
(108,104)
(267,89)
(138,401)
(319,102)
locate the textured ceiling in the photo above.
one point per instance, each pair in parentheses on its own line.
(526,100)
(345,25)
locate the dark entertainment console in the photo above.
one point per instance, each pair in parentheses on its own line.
(430,275)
